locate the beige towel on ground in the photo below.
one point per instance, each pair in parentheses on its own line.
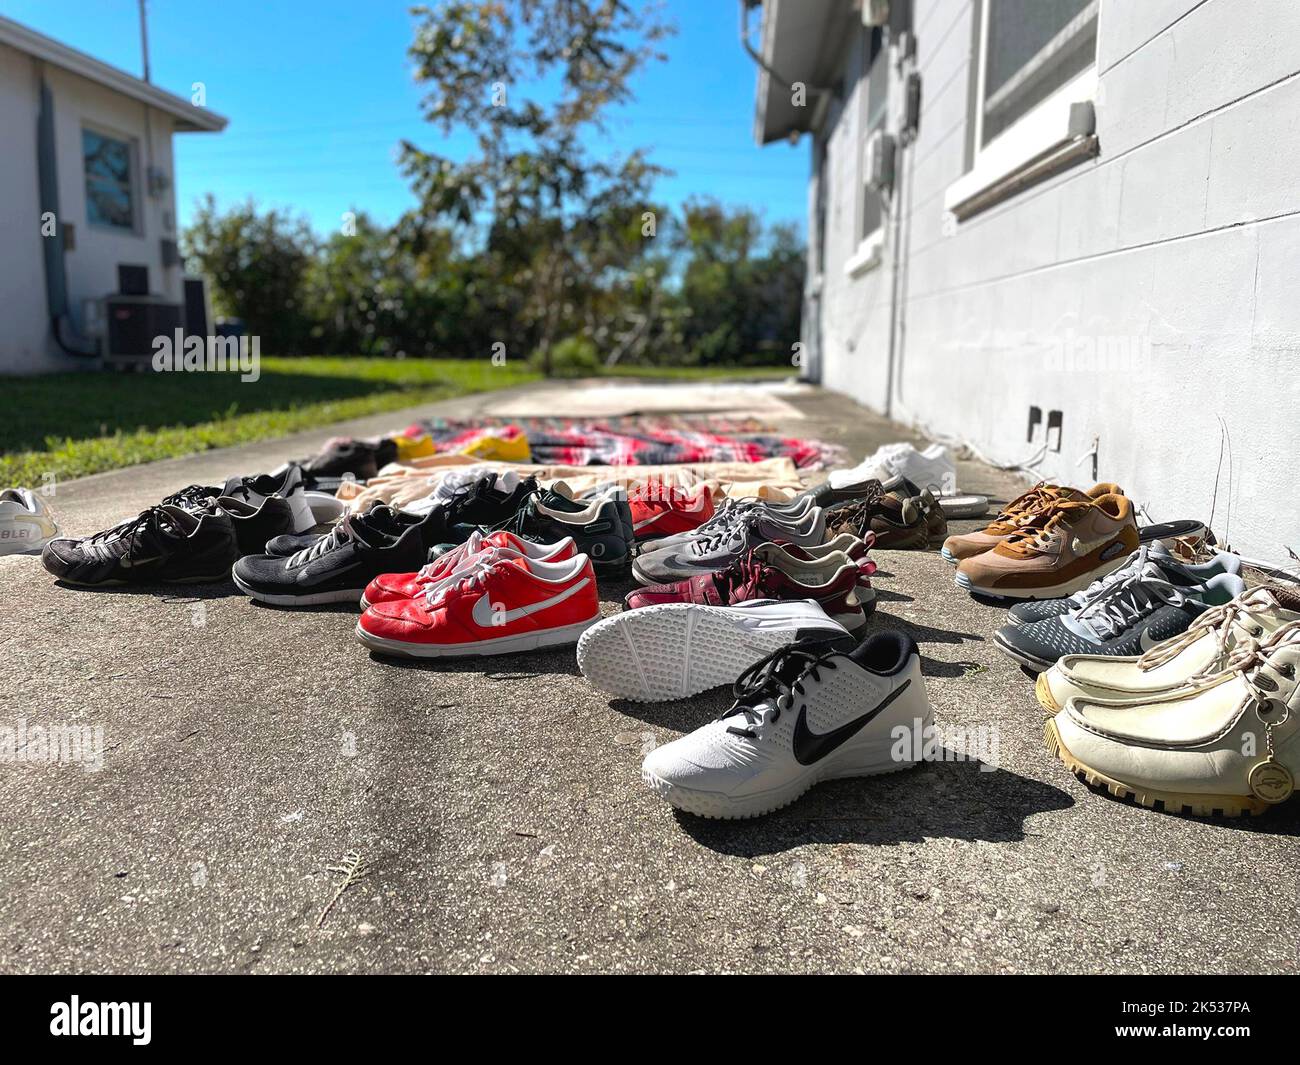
(402,485)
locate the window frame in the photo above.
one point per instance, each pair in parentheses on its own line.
(872,117)
(1037,132)
(133,181)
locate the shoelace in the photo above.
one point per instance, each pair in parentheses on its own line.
(1028,505)
(1031,541)
(1248,660)
(766,681)
(453,558)
(194,496)
(473,577)
(1127,601)
(860,511)
(342,533)
(746,570)
(1220,620)
(154,520)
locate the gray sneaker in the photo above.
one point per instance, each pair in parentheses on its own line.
(733,510)
(704,554)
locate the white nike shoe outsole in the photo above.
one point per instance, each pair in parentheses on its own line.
(870,759)
(524,641)
(676,650)
(342,595)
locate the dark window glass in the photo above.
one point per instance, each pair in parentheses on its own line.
(108,181)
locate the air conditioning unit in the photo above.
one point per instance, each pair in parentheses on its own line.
(878,161)
(133,324)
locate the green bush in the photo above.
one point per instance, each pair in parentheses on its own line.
(571,357)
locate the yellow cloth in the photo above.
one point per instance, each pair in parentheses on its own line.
(414,447)
(499,448)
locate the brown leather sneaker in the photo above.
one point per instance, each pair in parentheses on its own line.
(1029,509)
(1079,541)
(903,517)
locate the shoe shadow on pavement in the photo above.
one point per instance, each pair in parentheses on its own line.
(517,666)
(883,619)
(939,800)
(306,608)
(175,593)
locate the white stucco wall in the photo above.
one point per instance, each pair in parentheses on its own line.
(25,342)
(1146,294)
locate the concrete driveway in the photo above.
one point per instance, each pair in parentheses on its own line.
(500,813)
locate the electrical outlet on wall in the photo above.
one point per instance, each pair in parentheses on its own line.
(1054,430)
(1035,420)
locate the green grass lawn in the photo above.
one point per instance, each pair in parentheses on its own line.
(75,424)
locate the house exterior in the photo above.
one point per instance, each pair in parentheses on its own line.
(86,185)
(1065,232)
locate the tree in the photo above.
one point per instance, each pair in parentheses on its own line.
(532,190)
(258,265)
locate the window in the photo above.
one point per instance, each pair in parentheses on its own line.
(1034,61)
(1031,49)
(110,198)
(875,109)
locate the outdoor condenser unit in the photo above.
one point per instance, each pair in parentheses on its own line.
(132,324)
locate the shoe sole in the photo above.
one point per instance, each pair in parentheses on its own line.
(527,641)
(117,582)
(675,650)
(1043,693)
(1053,591)
(1170,802)
(949,557)
(1022,657)
(343,595)
(721,807)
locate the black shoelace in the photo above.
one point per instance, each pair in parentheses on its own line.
(777,677)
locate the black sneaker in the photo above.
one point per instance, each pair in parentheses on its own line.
(597,529)
(612,493)
(165,544)
(287,484)
(334,569)
(482,506)
(379,518)
(254,524)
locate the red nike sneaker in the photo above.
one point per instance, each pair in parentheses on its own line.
(494,606)
(837,583)
(390,587)
(666,510)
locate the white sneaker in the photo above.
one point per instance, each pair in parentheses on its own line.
(675,650)
(25,522)
(931,468)
(802,715)
(1229,746)
(1194,657)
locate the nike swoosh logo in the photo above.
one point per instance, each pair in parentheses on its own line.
(127,563)
(487,618)
(811,747)
(1146,641)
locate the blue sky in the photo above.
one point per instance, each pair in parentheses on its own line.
(319,93)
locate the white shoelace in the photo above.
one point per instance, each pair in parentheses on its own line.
(472,576)
(1221,621)
(341,534)
(453,558)
(1128,601)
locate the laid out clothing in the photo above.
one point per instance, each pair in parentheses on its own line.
(405,485)
(632,442)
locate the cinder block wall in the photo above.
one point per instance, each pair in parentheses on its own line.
(1150,295)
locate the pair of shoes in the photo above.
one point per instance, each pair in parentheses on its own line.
(804,713)
(931,468)
(898,514)
(1067,541)
(601,527)
(25,521)
(719,543)
(1031,508)
(836,575)
(1151,598)
(260,508)
(164,544)
(660,509)
(1205,723)
(337,566)
(489,601)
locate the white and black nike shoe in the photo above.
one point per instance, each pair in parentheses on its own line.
(802,715)
(380,518)
(1123,617)
(334,569)
(286,483)
(165,544)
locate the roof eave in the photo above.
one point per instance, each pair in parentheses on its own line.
(188,117)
